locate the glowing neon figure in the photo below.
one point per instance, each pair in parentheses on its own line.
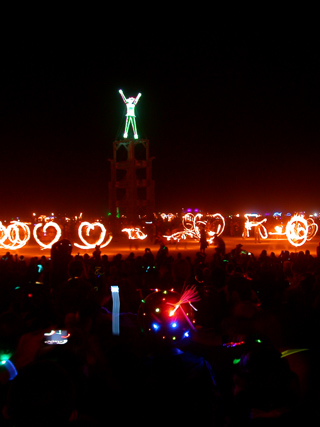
(90,227)
(130,116)
(45,227)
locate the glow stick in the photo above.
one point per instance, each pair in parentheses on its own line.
(115,310)
(10,368)
(292,351)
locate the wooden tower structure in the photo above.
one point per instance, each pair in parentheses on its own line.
(131,187)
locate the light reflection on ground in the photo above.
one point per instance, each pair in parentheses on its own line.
(189,248)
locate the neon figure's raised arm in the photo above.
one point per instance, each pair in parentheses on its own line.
(137,99)
(123,97)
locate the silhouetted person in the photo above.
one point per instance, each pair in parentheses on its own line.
(203,240)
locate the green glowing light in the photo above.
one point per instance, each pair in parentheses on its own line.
(4,357)
(236,361)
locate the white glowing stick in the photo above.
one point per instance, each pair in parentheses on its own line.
(115,310)
(48,334)
(90,227)
(45,227)
(297,230)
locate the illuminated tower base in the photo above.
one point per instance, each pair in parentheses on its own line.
(131,188)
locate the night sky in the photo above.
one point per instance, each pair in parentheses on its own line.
(231,113)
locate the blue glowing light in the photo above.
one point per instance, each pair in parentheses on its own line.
(174,324)
(155,326)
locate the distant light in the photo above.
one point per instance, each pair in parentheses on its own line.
(155,326)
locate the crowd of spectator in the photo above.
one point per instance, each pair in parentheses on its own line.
(251,360)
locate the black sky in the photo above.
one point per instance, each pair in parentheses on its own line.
(231,113)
